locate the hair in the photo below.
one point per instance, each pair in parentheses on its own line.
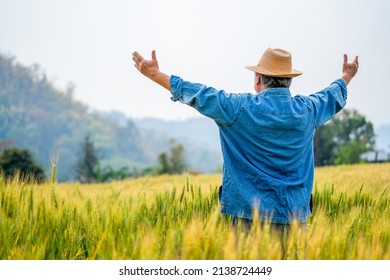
(273,82)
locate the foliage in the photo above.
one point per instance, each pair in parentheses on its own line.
(177,217)
(351,152)
(199,136)
(173,161)
(38,116)
(108,174)
(86,169)
(89,168)
(17,162)
(324,146)
(343,139)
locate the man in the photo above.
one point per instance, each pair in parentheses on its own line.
(266,138)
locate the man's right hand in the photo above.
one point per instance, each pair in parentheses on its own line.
(349,69)
(150,69)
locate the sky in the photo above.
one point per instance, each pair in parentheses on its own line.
(90,42)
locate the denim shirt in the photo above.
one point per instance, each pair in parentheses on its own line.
(267,145)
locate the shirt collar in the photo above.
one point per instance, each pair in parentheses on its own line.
(275,91)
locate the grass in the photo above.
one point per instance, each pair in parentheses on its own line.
(177,217)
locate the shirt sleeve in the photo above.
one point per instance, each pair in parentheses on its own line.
(328,102)
(218,105)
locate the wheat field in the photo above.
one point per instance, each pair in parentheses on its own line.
(177,218)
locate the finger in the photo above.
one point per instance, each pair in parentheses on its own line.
(134,56)
(356,60)
(154,57)
(138,56)
(345,58)
(138,59)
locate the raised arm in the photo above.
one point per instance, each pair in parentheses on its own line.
(349,69)
(150,69)
(332,99)
(216,104)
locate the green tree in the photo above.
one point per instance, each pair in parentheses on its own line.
(165,167)
(87,165)
(343,139)
(172,162)
(350,153)
(350,125)
(38,116)
(177,159)
(19,162)
(108,174)
(324,146)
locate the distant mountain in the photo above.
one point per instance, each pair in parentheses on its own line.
(200,137)
(201,131)
(49,122)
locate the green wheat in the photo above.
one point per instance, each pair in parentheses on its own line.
(179,219)
(53,164)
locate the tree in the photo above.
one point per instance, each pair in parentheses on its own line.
(173,161)
(165,167)
(350,153)
(35,114)
(87,165)
(350,125)
(108,174)
(19,162)
(343,139)
(177,159)
(324,146)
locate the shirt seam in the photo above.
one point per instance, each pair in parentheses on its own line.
(237,115)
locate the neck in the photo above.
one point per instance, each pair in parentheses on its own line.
(260,88)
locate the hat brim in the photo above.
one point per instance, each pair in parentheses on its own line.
(257,69)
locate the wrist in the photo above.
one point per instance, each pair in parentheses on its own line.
(346,78)
(162,79)
(153,75)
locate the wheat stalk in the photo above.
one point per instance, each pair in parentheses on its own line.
(53,163)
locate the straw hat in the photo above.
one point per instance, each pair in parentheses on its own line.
(275,63)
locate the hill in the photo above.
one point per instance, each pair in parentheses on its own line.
(200,137)
(49,122)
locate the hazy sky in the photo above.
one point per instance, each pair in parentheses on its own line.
(90,43)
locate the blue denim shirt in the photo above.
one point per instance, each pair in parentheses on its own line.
(267,145)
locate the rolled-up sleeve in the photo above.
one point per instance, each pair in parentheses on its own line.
(222,107)
(328,102)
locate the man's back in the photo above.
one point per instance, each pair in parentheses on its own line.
(268,157)
(274,131)
(266,142)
